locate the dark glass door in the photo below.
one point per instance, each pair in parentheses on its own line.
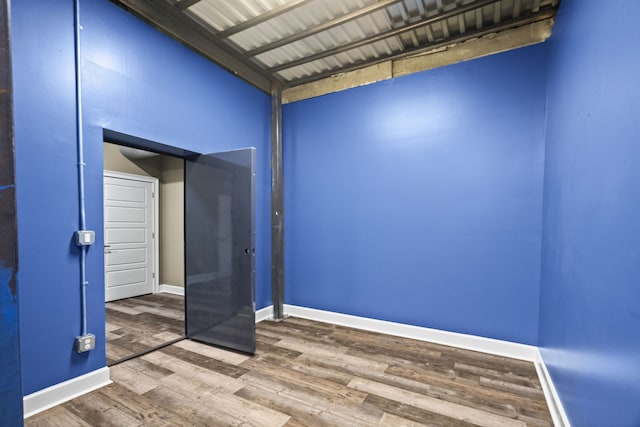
(219,249)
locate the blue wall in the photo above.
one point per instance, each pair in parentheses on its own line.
(590,293)
(418,199)
(10,385)
(136,81)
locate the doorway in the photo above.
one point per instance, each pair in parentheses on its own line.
(213,247)
(144,250)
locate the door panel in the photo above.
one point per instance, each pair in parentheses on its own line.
(219,251)
(128,215)
(128,237)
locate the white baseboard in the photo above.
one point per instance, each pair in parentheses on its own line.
(59,393)
(454,339)
(264,313)
(171,289)
(554,403)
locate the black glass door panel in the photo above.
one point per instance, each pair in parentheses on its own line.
(219,249)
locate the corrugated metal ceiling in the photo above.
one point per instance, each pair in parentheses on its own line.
(297,41)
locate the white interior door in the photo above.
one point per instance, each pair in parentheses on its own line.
(129,235)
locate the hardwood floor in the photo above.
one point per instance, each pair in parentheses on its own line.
(141,323)
(307,373)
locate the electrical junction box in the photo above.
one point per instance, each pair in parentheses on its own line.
(85,237)
(85,343)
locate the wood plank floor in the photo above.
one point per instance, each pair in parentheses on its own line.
(307,373)
(141,323)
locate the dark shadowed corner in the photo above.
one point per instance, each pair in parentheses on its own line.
(10,382)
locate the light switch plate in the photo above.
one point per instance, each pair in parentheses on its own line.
(85,237)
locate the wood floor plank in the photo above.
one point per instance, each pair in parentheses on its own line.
(167,336)
(445,393)
(390,420)
(303,373)
(260,338)
(197,359)
(452,410)
(350,413)
(137,382)
(145,410)
(190,408)
(229,409)
(123,309)
(464,385)
(140,323)
(493,373)
(57,417)
(295,423)
(431,349)
(303,366)
(110,327)
(226,356)
(192,374)
(326,351)
(95,409)
(296,379)
(162,311)
(304,412)
(402,348)
(502,364)
(264,348)
(248,412)
(309,330)
(414,414)
(515,388)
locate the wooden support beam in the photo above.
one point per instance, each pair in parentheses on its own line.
(437,57)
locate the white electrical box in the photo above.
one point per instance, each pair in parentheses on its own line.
(85,237)
(85,343)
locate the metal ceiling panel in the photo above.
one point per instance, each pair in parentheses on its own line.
(223,14)
(295,41)
(334,37)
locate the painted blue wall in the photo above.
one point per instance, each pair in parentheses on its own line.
(418,199)
(135,81)
(590,293)
(10,384)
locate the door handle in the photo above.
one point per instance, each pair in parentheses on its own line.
(248,251)
(106,251)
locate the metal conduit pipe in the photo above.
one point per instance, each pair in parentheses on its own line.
(81,191)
